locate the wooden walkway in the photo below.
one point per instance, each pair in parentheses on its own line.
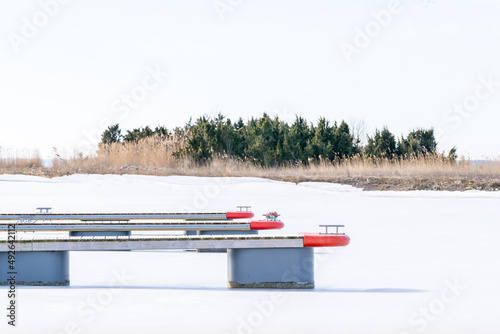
(34,243)
(114,216)
(157,225)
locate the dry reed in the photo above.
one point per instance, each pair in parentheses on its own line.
(19,160)
(155,156)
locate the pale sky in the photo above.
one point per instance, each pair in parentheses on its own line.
(69,68)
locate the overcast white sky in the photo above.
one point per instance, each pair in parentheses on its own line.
(63,75)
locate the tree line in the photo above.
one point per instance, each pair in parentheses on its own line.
(269,141)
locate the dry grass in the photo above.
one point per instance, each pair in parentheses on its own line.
(148,153)
(154,156)
(12,161)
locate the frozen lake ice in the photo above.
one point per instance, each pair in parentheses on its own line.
(418,262)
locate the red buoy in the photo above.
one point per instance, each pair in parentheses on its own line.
(239,215)
(266,225)
(325,240)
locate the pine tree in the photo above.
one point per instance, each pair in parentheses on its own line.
(322,142)
(381,145)
(112,134)
(418,142)
(345,141)
(199,145)
(300,140)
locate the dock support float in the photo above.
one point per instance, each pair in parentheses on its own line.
(49,268)
(271,268)
(280,268)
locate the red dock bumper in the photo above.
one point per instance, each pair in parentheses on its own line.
(325,240)
(239,215)
(266,225)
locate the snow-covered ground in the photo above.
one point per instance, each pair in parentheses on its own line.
(418,262)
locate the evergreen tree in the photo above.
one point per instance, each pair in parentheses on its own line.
(161,131)
(346,146)
(199,144)
(240,144)
(112,134)
(300,140)
(268,140)
(381,145)
(138,134)
(418,142)
(253,142)
(284,154)
(322,142)
(224,136)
